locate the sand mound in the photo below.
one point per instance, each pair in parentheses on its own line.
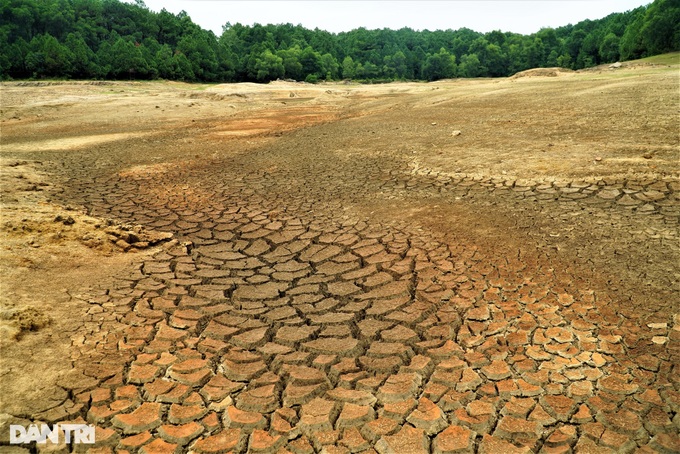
(542,72)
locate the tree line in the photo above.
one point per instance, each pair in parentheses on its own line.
(109,39)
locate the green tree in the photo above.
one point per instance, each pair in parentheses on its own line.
(441,65)
(114,38)
(574,41)
(368,70)
(48,58)
(269,66)
(58,18)
(631,45)
(564,61)
(126,60)
(589,53)
(5,52)
(609,48)
(183,69)
(291,62)
(549,42)
(199,48)
(329,66)
(82,58)
(169,28)
(311,62)
(349,69)
(20,18)
(14,57)
(533,53)
(515,56)
(164,62)
(388,71)
(173,65)
(400,64)
(492,60)
(661,30)
(470,66)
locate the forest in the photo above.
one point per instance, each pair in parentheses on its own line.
(109,39)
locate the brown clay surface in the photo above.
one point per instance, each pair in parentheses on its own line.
(460,266)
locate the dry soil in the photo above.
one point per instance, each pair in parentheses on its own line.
(480,265)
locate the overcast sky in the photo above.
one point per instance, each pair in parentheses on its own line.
(519,16)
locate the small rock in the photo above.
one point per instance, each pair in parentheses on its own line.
(456,133)
(68,220)
(124,245)
(647,156)
(657,325)
(598,158)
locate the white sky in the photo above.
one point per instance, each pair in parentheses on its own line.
(519,16)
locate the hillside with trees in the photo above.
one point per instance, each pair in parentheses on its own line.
(108,39)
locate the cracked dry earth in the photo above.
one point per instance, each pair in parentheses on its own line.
(329,289)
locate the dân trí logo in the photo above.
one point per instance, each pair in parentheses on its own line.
(41,433)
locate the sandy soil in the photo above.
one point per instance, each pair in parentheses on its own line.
(579,171)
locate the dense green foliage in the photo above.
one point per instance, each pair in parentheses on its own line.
(109,39)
